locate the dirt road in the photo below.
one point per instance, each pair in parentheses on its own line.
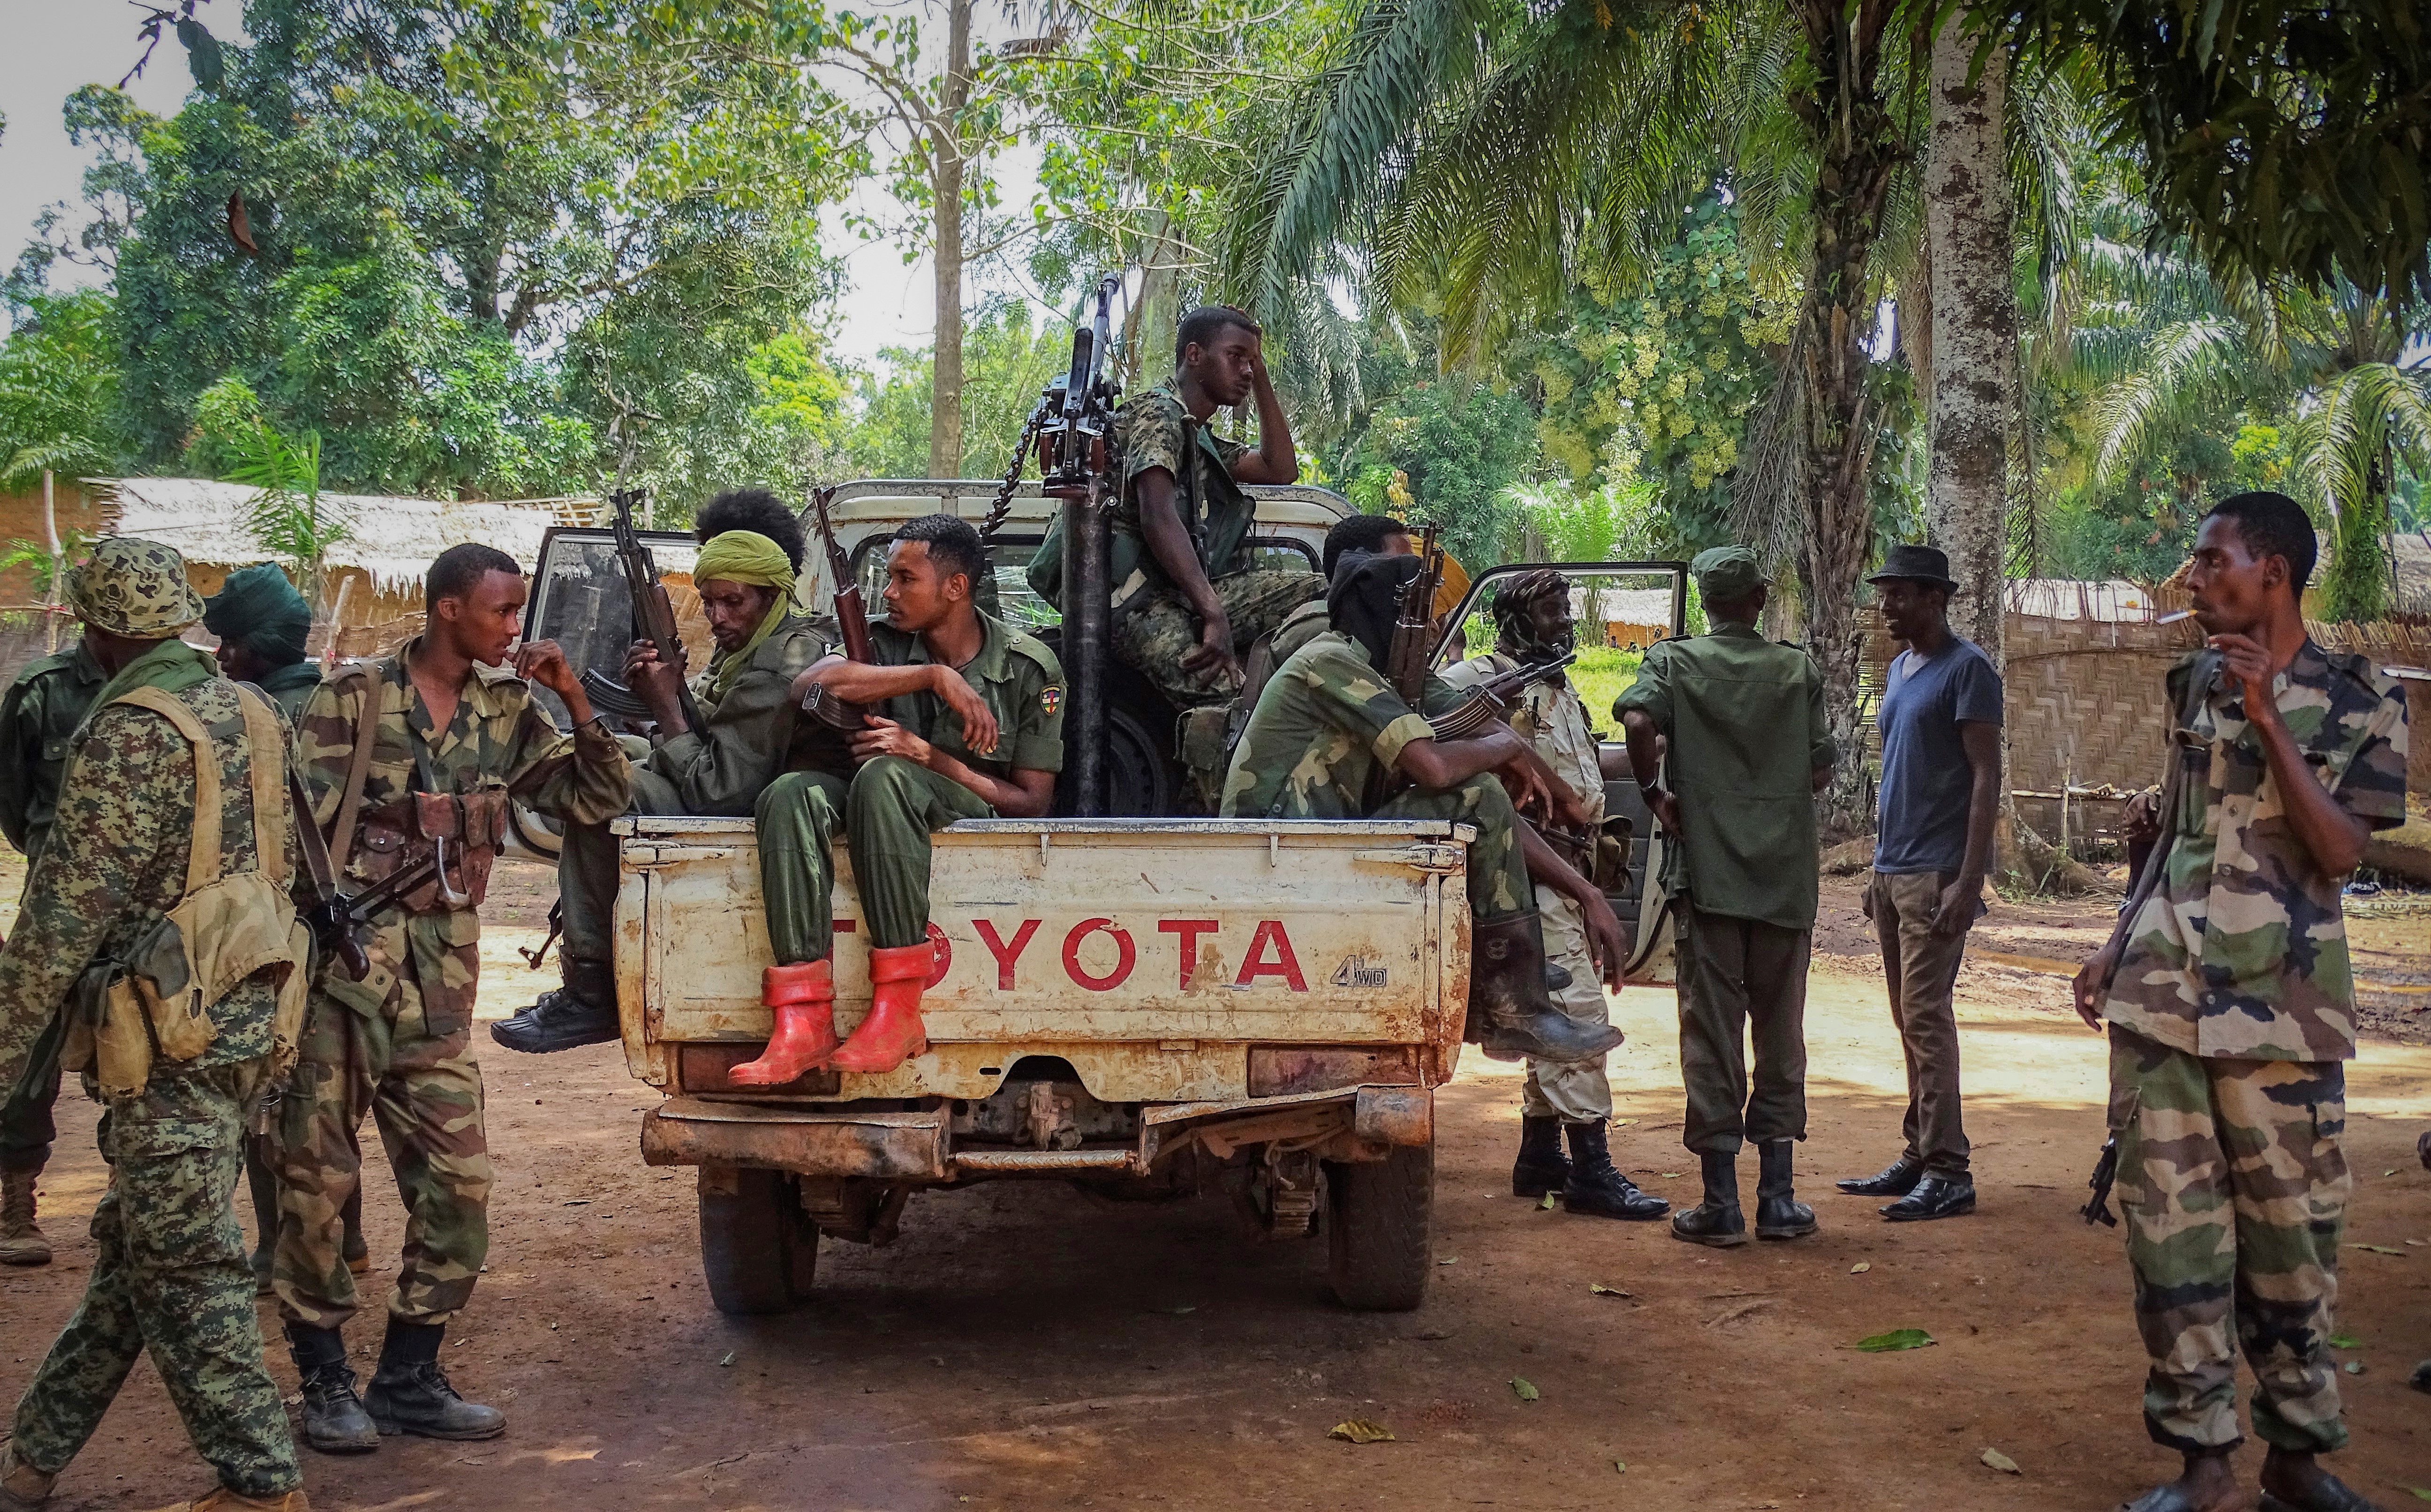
(1027,1347)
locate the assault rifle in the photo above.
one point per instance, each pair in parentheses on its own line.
(1412,650)
(654,619)
(1488,700)
(852,621)
(336,918)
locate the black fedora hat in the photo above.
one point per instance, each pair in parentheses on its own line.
(1919,564)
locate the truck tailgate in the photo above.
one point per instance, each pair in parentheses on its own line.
(1171,935)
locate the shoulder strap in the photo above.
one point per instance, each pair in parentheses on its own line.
(358,767)
(203,859)
(266,764)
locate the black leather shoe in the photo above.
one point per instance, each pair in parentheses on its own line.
(1599,1190)
(1934,1197)
(1897,1179)
(1779,1214)
(410,1394)
(560,1021)
(1717,1220)
(1541,1167)
(334,1419)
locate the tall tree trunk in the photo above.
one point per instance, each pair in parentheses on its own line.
(1858,153)
(946,156)
(1974,344)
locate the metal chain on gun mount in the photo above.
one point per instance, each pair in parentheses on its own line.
(1003,504)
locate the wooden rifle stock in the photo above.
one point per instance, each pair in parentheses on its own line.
(852,625)
(1413,625)
(654,619)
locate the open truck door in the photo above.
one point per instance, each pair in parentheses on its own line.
(1621,608)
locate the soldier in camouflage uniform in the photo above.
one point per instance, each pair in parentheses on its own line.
(168,1275)
(1329,733)
(1533,623)
(445,717)
(44,707)
(1187,602)
(2230,1008)
(750,735)
(965,722)
(262,623)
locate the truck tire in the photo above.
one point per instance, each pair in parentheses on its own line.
(1376,1229)
(758,1252)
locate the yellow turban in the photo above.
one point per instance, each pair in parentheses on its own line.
(746,556)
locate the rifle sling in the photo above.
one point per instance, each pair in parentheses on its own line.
(359,768)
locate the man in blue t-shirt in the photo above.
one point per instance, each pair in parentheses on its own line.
(1940,723)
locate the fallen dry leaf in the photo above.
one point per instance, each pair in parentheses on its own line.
(2002,1462)
(1598,1288)
(1898,1339)
(1361,1431)
(1861,1268)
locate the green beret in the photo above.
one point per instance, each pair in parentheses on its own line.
(1726,574)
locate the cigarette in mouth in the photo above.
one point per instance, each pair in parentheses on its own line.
(2174,616)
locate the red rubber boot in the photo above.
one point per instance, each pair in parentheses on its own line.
(893,1033)
(803,999)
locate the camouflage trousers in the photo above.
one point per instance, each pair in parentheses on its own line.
(1737,974)
(889,811)
(26,1132)
(1576,1091)
(1498,888)
(417,1080)
(2235,1189)
(1154,632)
(169,1276)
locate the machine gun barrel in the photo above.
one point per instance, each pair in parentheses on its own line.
(1083,480)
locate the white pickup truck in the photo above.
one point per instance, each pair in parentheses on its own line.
(1171,1004)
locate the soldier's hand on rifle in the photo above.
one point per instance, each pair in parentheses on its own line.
(2093,983)
(979,733)
(659,685)
(1214,652)
(883,737)
(544,662)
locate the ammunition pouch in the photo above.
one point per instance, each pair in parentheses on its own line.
(465,829)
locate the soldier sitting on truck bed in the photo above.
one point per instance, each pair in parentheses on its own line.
(972,728)
(1326,725)
(748,737)
(1188,602)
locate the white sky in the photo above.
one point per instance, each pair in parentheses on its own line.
(54,46)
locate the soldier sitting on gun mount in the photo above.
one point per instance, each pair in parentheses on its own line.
(1533,623)
(1186,602)
(262,623)
(972,728)
(1329,722)
(748,735)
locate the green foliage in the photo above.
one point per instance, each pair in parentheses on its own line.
(287,514)
(1006,363)
(59,378)
(1461,445)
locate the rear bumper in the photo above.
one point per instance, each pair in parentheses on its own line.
(1351,1123)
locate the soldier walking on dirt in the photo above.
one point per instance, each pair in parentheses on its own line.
(173,849)
(262,623)
(1330,729)
(749,734)
(408,758)
(44,707)
(1533,622)
(1187,599)
(2230,1008)
(1940,723)
(1742,721)
(972,727)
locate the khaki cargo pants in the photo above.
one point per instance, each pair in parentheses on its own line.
(1576,1091)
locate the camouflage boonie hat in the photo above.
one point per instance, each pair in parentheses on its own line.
(134,587)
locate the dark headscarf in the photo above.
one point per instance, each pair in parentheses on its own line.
(258,609)
(1513,603)
(1366,598)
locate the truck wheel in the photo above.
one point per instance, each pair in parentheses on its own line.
(758,1252)
(1376,1229)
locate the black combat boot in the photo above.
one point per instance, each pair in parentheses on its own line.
(1595,1188)
(1506,984)
(582,1012)
(1897,1179)
(334,1419)
(1779,1214)
(409,1392)
(1717,1220)
(1541,1167)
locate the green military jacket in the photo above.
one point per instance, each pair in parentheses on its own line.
(1745,719)
(751,736)
(1326,727)
(2241,950)
(115,863)
(499,738)
(37,719)
(1018,677)
(1157,430)
(290,688)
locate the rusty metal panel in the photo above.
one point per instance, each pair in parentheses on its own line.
(1044,1162)
(1078,933)
(1394,1115)
(1277,1070)
(710,1069)
(882,1146)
